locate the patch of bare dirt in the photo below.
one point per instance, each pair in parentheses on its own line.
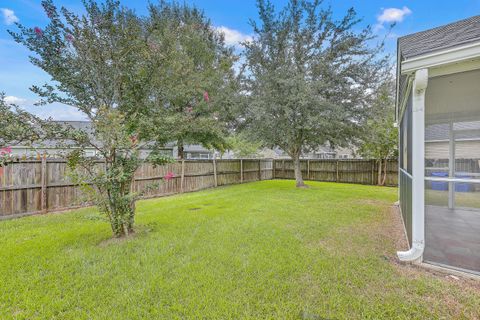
(140,231)
(115,241)
(373,202)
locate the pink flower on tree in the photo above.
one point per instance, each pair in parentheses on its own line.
(189,109)
(38,31)
(49,13)
(153,46)
(169,176)
(5,151)
(49,10)
(134,139)
(69,38)
(206,97)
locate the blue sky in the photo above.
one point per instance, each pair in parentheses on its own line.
(17,74)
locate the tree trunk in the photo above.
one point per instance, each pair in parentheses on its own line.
(384,172)
(181,151)
(298,171)
(120,205)
(379,177)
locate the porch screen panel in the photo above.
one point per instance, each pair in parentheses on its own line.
(452,171)
(406,203)
(405,177)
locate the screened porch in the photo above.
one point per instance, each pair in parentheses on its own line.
(452,171)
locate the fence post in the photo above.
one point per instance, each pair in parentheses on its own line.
(308,169)
(336,180)
(274,167)
(182,178)
(44,184)
(241,170)
(259,170)
(373,172)
(283,169)
(215,172)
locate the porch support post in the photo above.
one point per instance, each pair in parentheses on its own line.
(418,168)
(451,168)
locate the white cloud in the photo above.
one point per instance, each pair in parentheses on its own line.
(14,100)
(56,111)
(233,37)
(9,16)
(393,15)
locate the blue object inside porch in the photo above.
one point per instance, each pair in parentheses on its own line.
(440,185)
(463,186)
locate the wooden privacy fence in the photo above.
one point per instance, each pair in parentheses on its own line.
(346,171)
(40,186)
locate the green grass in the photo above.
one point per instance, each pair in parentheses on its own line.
(462,199)
(255,251)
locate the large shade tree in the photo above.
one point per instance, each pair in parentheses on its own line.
(310,77)
(98,63)
(379,137)
(195,83)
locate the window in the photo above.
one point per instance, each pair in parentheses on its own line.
(198,155)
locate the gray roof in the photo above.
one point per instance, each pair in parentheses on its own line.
(444,37)
(437,39)
(84,126)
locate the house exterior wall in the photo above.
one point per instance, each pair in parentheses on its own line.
(29,152)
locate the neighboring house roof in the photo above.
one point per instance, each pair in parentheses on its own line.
(325,149)
(51,143)
(86,126)
(444,37)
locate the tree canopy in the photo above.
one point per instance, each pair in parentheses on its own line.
(16,125)
(379,137)
(194,83)
(310,77)
(138,80)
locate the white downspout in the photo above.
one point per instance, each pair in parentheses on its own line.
(418,169)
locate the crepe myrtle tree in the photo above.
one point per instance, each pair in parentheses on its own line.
(97,64)
(310,77)
(195,84)
(379,136)
(16,126)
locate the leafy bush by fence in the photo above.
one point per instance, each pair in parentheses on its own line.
(40,186)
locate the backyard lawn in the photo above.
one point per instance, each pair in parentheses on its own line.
(263,250)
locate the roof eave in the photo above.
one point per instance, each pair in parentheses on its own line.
(441,58)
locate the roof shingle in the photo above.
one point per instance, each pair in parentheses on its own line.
(444,37)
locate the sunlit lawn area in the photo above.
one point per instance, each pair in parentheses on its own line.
(462,199)
(262,250)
